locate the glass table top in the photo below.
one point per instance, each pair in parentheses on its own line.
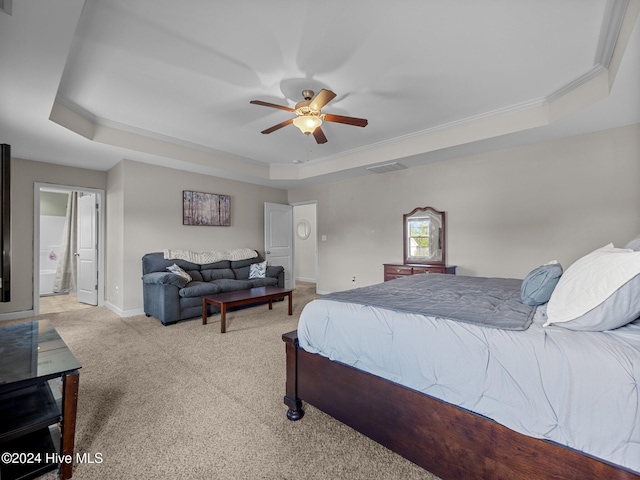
(33,350)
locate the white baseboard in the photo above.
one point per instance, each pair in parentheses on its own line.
(304,279)
(124,313)
(16,315)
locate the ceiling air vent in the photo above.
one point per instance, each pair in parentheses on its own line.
(5,6)
(387,167)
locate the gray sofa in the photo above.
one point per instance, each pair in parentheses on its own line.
(170,298)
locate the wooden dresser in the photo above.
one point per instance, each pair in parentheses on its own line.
(397,270)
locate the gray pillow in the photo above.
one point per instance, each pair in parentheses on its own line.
(634,244)
(538,285)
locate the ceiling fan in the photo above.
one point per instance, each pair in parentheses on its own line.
(309,114)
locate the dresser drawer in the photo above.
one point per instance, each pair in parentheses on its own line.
(392,271)
(397,270)
(388,277)
(417,270)
(435,269)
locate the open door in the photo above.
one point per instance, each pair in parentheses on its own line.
(87,254)
(278,238)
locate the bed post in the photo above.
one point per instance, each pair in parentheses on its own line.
(291,399)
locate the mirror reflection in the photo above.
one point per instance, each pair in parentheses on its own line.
(424,236)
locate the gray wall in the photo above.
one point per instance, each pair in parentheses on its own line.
(507,211)
(24,174)
(144,215)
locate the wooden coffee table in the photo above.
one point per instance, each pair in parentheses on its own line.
(243,297)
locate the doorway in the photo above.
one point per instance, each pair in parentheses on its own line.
(305,243)
(291,241)
(62,231)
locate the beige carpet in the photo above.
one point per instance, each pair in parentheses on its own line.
(187,402)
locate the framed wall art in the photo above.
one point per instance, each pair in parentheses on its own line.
(209,209)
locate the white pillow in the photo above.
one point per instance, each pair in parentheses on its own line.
(179,271)
(258,270)
(589,282)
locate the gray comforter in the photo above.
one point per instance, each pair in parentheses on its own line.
(490,302)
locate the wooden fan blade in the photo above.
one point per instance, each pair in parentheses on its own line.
(278,126)
(321,99)
(318,134)
(272,105)
(358,122)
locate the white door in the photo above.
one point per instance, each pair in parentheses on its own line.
(278,238)
(87,254)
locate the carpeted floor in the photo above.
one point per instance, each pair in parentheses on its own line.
(187,402)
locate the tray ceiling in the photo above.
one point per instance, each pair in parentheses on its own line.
(170,83)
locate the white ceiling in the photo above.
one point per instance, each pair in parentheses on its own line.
(88,83)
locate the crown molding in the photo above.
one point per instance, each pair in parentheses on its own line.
(578,93)
(614,15)
(130,129)
(583,79)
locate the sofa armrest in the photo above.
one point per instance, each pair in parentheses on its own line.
(160,293)
(276,271)
(164,278)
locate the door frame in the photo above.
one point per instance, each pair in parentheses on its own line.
(100,225)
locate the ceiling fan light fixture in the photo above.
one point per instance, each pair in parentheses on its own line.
(309,114)
(307,123)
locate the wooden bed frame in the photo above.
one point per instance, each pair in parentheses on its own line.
(446,440)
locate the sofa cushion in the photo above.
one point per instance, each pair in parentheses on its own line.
(229,285)
(216,274)
(164,278)
(274,270)
(263,282)
(220,264)
(245,263)
(199,289)
(155,262)
(195,275)
(241,273)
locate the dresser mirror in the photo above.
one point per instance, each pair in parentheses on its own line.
(424,236)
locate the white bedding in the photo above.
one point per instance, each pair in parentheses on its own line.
(579,389)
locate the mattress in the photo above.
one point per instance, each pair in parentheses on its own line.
(579,389)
